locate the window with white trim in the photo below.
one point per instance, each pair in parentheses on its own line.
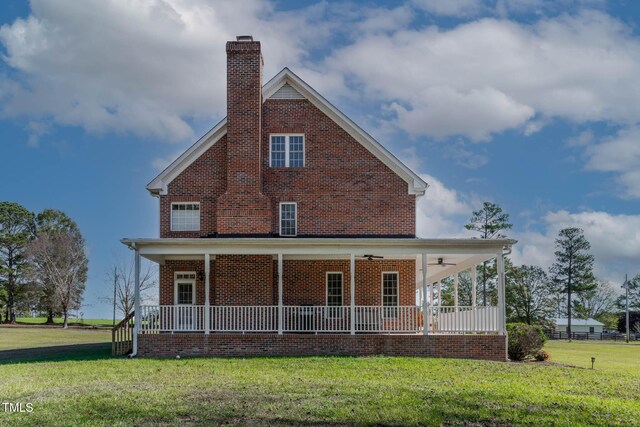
(286,151)
(185,286)
(334,289)
(288,219)
(390,294)
(185,216)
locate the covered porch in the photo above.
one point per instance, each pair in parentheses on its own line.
(371,286)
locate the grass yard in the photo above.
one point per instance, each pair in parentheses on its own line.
(72,321)
(330,390)
(13,337)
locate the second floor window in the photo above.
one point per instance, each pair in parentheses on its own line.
(185,217)
(286,151)
(288,219)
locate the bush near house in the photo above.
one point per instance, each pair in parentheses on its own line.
(524,341)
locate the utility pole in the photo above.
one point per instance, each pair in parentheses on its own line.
(115,285)
(626,289)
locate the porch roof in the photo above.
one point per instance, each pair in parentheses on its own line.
(459,254)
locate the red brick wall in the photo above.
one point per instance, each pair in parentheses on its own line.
(487,347)
(343,189)
(243,280)
(304,281)
(167,271)
(203,181)
(253,280)
(243,209)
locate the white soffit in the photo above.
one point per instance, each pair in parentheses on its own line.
(287,85)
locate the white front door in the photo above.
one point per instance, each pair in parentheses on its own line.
(185,298)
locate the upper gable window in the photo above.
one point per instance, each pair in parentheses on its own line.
(185,216)
(286,151)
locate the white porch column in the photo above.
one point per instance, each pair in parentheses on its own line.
(474,284)
(433,303)
(352,292)
(425,304)
(280,307)
(433,294)
(439,293)
(501,295)
(456,283)
(138,315)
(207,293)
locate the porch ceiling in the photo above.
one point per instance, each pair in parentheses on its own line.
(462,253)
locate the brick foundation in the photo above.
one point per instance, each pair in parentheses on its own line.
(485,347)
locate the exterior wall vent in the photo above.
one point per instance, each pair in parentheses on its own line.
(287,92)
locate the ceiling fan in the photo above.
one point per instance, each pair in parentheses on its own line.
(442,263)
(371,257)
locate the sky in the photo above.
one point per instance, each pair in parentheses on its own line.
(530,104)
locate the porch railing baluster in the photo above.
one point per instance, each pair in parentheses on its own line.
(320,319)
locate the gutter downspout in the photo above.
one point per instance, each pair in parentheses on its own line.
(505,251)
(137,317)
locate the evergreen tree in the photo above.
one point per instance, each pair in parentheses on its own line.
(489,222)
(572,272)
(17,228)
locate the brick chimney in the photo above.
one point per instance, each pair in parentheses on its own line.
(243,209)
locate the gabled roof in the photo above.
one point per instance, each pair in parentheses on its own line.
(286,77)
(563,321)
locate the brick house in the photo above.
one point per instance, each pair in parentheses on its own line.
(287,229)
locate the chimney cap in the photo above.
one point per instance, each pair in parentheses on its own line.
(244,38)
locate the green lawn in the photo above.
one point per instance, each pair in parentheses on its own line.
(72,322)
(330,390)
(611,357)
(14,337)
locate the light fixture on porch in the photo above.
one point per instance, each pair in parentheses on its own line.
(200,275)
(372,257)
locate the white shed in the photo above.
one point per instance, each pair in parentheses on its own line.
(589,325)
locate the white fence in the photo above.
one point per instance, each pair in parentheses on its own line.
(319,319)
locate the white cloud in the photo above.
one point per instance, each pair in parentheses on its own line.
(139,67)
(478,113)
(490,75)
(621,155)
(615,241)
(442,211)
(583,139)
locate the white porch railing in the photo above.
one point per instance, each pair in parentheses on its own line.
(319,319)
(257,318)
(463,319)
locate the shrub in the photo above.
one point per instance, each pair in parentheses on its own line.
(524,340)
(541,356)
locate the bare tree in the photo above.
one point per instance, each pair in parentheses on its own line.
(62,261)
(122,276)
(596,302)
(51,222)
